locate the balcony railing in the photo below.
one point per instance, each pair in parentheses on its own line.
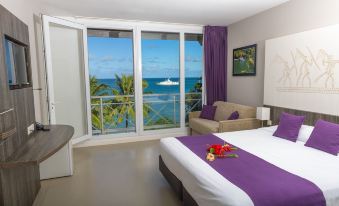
(116,113)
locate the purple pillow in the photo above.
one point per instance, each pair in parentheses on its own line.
(289,126)
(325,137)
(234,116)
(208,112)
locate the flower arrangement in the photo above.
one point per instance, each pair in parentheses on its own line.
(218,151)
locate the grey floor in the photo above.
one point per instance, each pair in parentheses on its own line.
(122,174)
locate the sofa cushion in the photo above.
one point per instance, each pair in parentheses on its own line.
(204,126)
(208,112)
(225,109)
(234,116)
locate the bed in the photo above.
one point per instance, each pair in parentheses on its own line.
(197,183)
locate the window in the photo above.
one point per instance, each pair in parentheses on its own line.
(111,81)
(144,81)
(193,73)
(161,77)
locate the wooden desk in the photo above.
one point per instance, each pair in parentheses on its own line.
(19,174)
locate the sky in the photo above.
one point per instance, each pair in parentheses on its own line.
(160,58)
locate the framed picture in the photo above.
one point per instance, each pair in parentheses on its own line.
(245,60)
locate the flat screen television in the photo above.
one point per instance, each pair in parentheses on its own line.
(17,64)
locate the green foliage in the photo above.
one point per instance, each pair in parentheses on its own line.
(192,99)
(161,121)
(97,89)
(123,104)
(244,60)
(119,108)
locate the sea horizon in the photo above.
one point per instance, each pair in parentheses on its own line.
(153,86)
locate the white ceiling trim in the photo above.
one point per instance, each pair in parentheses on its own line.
(197,12)
(106,23)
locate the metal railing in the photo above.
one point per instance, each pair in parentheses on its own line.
(116,113)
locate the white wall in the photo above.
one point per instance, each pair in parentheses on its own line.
(288,18)
(291,17)
(28,12)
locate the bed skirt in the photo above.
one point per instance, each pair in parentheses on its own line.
(176,185)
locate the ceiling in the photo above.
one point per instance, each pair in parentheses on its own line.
(202,12)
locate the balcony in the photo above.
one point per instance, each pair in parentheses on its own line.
(116,113)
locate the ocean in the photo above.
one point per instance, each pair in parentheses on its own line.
(158,89)
(164,101)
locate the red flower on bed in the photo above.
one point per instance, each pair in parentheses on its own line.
(218,149)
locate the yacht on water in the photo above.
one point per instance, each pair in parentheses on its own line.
(168,82)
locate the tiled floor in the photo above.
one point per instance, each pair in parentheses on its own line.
(122,175)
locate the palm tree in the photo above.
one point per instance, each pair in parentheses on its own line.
(193,98)
(123,102)
(97,89)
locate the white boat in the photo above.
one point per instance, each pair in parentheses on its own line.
(168,82)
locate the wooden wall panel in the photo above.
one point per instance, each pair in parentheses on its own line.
(21,100)
(4,93)
(23,183)
(311,117)
(2,153)
(18,185)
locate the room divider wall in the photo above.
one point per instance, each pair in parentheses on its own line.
(21,148)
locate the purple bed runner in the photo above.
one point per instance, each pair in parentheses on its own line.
(265,183)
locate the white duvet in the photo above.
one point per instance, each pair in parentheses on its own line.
(208,187)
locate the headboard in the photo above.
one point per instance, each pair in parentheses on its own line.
(310,117)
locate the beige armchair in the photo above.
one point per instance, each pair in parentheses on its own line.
(220,123)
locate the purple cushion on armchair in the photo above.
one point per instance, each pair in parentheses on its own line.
(289,126)
(325,137)
(234,116)
(208,112)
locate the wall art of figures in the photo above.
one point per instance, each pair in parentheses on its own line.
(302,71)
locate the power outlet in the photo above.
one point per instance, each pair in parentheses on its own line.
(30,129)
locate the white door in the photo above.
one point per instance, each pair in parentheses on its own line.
(68,86)
(67,74)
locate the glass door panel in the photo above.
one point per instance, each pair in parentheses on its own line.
(193,73)
(111,81)
(160,80)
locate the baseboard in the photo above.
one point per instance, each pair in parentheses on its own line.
(80,139)
(108,141)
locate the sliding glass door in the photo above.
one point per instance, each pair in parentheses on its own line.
(160,80)
(142,81)
(193,73)
(111,71)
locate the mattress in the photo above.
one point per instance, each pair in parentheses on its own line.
(208,187)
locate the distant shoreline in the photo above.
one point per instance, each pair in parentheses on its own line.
(153,78)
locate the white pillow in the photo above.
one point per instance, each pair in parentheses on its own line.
(270,129)
(304,132)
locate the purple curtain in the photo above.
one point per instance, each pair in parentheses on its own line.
(215,55)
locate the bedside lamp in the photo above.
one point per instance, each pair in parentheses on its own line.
(263,114)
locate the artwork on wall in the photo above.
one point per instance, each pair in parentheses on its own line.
(302,71)
(244,61)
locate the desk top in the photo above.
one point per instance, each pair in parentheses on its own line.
(40,146)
